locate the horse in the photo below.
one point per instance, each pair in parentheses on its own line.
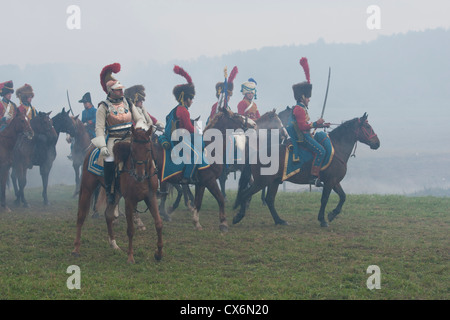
(62,122)
(8,139)
(344,137)
(138,181)
(81,144)
(207,177)
(40,151)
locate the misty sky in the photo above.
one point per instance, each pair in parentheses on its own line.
(164,30)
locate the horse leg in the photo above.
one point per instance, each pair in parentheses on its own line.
(4,177)
(16,188)
(270,200)
(175,205)
(222,180)
(243,197)
(323,203)
(76,168)
(84,200)
(215,191)
(263,197)
(137,220)
(163,188)
(188,196)
(151,202)
(338,189)
(22,179)
(95,215)
(45,171)
(129,210)
(199,191)
(110,218)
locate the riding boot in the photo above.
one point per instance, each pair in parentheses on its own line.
(315,180)
(109,172)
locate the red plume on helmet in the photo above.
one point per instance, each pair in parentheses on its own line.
(304,64)
(232,75)
(105,75)
(183,91)
(181,72)
(303,88)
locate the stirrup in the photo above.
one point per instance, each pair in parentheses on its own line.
(316,182)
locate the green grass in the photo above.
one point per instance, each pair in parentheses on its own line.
(407,237)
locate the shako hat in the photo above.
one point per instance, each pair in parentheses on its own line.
(6,87)
(303,88)
(24,92)
(183,91)
(135,93)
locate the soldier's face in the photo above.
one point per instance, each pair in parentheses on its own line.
(116,93)
(29,99)
(8,96)
(249,96)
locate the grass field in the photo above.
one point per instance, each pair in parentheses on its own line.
(407,237)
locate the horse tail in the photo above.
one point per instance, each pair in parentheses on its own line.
(244,181)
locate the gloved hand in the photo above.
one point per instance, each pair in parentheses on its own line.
(104,152)
(68,138)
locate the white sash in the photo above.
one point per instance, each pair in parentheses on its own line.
(249,106)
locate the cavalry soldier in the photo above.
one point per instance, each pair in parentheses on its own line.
(137,95)
(7,107)
(179,118)
(25,95)
(89,114)
(247,107)
(114,118)
(220,94)
(302,126)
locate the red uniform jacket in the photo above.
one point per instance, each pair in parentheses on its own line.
(252,113)
(302,117)
(184,117)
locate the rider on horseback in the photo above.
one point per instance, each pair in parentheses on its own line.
(25,95)
(89,114)
(220,87)
(7,107)
(179,118)
(302,94)
(247,107)
(115,116)
(136,94)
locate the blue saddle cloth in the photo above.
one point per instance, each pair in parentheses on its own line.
(296,158)
(93,165)
(171,169)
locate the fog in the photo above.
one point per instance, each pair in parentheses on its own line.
(402,81)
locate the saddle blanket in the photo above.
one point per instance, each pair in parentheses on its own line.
(170,169)
(95,164)
(293,162)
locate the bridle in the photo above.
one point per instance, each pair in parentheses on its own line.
(362,134)
(132,170)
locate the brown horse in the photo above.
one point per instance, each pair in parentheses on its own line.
(138,181)
(81,144)
(40,151)
(8,138)
(343,139)
(207,178)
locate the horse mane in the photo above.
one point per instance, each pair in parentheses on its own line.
(266,116)
(122,151)
(218,116)
(341,129)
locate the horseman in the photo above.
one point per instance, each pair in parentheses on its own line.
(220,93)
(180,118)
(7,107)
(136,94)
(114,118)
(247,107)
(89,114)
(302,125)
(25,95)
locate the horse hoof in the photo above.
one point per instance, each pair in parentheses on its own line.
(5,209)
(282,223)
(223,228)
(75,254)
(324,224)
(131,260)
(158,256)
(332,215)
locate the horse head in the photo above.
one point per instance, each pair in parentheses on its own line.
(141,153)
(62,122)
(366,134)
(227,119)
(21,124)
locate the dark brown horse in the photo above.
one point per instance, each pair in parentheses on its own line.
(138,181)
(40,151)
(343,139)
(207,178)
(8,139)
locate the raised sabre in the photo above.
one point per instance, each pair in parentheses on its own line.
(326,93)
(68,100)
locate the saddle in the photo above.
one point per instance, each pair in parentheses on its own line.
(297,156)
